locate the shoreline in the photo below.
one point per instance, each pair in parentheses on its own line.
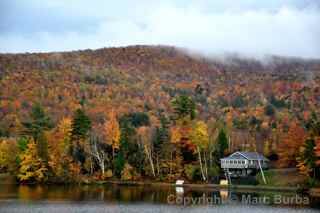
(204,186)
(313,192)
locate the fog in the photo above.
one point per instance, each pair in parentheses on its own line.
(246,27)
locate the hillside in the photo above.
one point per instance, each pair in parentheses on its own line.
(153,112)
(145,78)
(234,90)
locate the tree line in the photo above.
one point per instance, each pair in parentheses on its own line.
(126,147)
(132,146)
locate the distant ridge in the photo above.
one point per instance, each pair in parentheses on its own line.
(148,57)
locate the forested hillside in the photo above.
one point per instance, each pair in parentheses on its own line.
(153,111)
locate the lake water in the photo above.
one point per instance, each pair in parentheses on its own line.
(142,199)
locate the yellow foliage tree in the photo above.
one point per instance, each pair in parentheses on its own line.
(112,131)
(59,148)
(8,154)
(200,138)
(31,166)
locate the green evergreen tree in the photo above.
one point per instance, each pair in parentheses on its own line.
(222,143)
(81,125)
(269,110)
(162,133)
(307,156)
(129,148)
(161,141)
(184,106)
(135,119)
(39,122)
(119,164)
(80,128)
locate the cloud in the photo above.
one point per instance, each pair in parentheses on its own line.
(286,27)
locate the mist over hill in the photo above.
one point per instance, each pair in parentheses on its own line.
(147,57)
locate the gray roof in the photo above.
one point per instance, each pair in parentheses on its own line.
(247,155)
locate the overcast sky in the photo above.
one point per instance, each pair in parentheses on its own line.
(251,27)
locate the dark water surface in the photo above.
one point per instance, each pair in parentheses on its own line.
(141,199)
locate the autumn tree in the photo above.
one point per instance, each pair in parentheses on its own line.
(8,154)
(112,132)
(200,138)
(60,161)
(289,147)
(32,167)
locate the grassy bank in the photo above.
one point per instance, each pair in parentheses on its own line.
(315,192)
(282,178)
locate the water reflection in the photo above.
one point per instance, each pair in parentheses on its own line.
(115,194)
(179,190)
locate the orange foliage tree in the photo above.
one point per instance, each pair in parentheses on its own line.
(289,147)
(32,167)
(60,161)
(112,132)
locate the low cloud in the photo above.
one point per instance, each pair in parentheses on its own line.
(286,29)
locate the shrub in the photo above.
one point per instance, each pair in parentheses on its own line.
(192,172)
(108,174)
(129,173)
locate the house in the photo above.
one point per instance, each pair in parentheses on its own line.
(241,164)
